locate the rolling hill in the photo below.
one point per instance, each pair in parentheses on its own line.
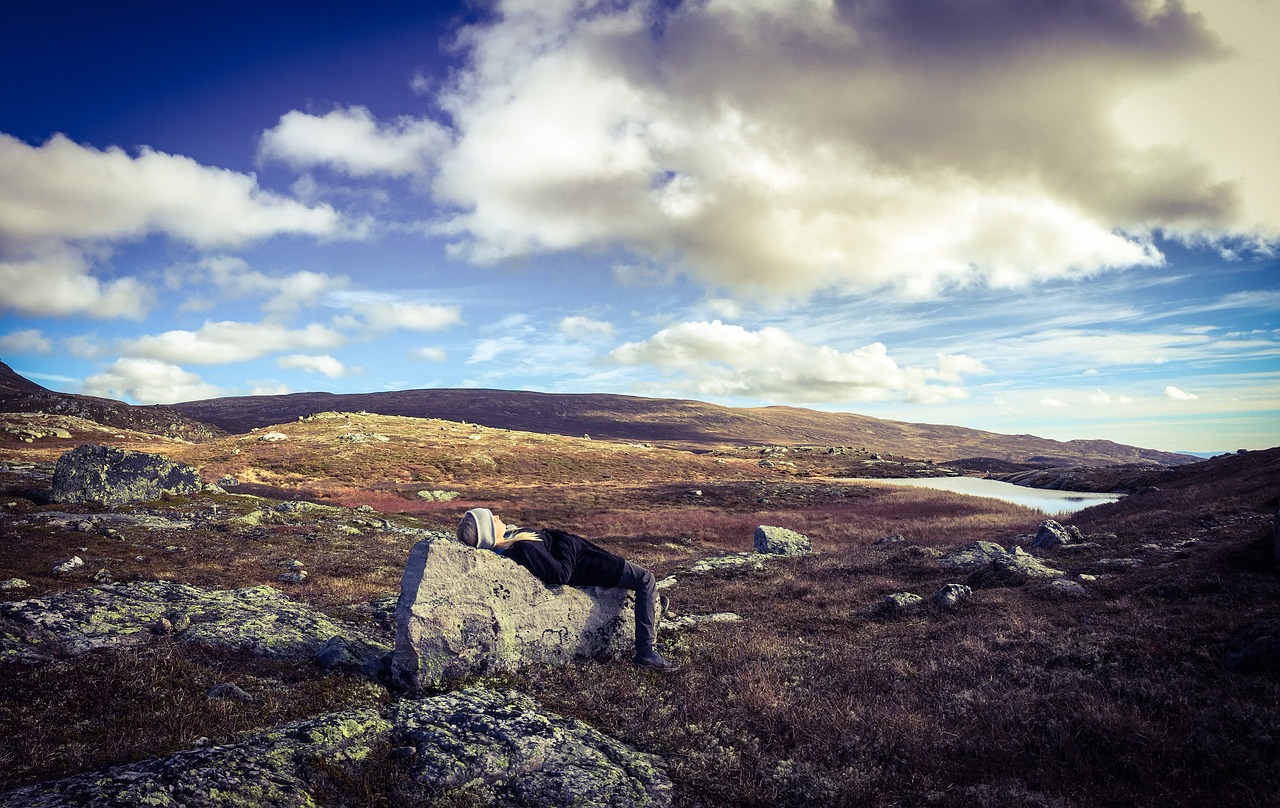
(685,423)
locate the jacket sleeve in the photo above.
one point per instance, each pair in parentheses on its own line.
(551,560)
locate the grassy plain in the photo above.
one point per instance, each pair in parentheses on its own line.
(1026,696)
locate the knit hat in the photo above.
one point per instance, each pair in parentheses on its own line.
(476,529)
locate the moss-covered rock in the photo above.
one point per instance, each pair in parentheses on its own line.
(259,619)
(111,476)
(497,747)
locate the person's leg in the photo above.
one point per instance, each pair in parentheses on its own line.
(641,581)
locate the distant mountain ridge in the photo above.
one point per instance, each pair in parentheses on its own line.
(679,422)
(19,394)
(674,421)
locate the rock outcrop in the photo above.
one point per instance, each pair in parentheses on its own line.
(260,620)
(465,611)
(110,476)
(475,746)
(781,541)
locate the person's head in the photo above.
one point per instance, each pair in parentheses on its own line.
(481,528)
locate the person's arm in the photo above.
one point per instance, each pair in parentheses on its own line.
(551,560)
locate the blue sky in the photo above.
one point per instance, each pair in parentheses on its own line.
(1057,218)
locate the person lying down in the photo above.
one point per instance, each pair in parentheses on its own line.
(557,558)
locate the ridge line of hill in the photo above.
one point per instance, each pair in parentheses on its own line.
(679,422)
(682,423)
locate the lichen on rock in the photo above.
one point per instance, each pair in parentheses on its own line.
(464,611)
(110,476)
(259,619)
(498,746)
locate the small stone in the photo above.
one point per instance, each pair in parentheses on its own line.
(891,539)
(229,691)
(1070,589)
(69,565)
(950,597)
(102,576)
(898,605)
(14,583)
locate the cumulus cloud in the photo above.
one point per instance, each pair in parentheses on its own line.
(63,204)
(795,145)
(27,341)
(429,354)
(352,142)
(56,280)
(314,364)
(62,191)
(228,341)
(376,313)
(234,278)
(148,381)
(1100,398)
(1179,395)
(585,328)
(714,358)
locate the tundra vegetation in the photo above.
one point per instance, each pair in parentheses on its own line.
(1114,692)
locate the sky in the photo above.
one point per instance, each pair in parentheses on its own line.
(1049,217)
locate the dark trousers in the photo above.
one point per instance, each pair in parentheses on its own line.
(640,581)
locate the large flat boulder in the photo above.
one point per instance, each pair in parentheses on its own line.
(261,620)
(102,474)
(464,611)
(473,747)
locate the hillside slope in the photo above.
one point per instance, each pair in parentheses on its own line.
(682,422)
(21,395)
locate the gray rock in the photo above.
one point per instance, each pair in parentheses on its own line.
(1068,589)
(464,611)
(260,620)
(110,476)
(475,746)
(355,656)
(13,583)
(891,539)
(950,597)
(898,606)
(1051,536)
(1011,569)
(272,437)
(973,556)
(748,562)
(68,565)
(229,691)
(436,495)
(781,541)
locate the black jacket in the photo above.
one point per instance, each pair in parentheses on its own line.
(563,558)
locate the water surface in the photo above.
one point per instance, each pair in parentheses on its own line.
(1051,502)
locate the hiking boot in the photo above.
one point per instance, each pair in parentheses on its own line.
(653,661)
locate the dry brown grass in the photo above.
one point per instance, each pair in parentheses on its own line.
(1022,698)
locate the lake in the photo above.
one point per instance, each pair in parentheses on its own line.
(1051,502)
